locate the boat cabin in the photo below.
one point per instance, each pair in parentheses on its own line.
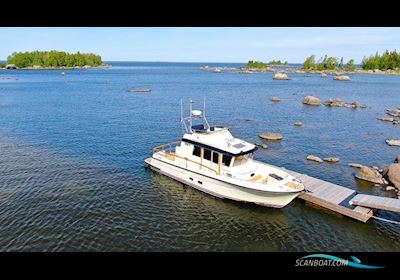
(216,148)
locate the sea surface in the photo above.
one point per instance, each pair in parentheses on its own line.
(72,176)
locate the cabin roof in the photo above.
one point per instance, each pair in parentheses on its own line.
(220,140)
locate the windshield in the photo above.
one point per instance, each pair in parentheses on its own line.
(239,160)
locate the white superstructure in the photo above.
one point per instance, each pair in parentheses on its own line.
(210,159)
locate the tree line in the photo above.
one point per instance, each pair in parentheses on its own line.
(259,64)
(53,59)
(388,60)
(328,63)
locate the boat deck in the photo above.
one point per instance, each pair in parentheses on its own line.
(343,200)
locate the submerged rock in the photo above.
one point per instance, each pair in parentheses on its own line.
(139,90)
(393,113)
(280,76)
(371,175)
(332,159)
(312,100)
(393,142)
(275,98)
(363,106)
(298,123)
(386,119)
(334,102)
(342,78)
(271,136)
(355,165)
(314,158)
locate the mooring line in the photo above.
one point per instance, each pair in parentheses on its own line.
(386,220)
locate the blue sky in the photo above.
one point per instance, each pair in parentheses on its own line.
(222,44)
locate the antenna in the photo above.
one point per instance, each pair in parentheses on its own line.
(181,110)
(191,108)
(204,107)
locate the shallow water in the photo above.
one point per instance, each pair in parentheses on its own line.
(72,175)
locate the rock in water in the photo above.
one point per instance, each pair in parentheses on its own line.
(298,123)
(386,119)
(275,98)
(264,146)
(390,188)
(314,158)
(10,66)
(280,76)
(332,159)
(139,90)
(342,78)
(393,174)
(397,159)
(393,113)
(312,100)
(369,174)
(271,136)
(324,75)
(356,165)
(393,142)
(334,103)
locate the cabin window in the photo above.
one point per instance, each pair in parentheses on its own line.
(242,159)
(215,157)
(226,160)
(196,151)
(207,154)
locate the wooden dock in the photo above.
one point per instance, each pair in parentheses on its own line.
(343,200)
(376,202)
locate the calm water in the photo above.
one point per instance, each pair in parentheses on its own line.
(72,147)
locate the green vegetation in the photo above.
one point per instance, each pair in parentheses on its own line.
(277,62)
(259,64)
(2,65)
(328,63)
(388,60)
(256,64)
(350,65)
(53,59)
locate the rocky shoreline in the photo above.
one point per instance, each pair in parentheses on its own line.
(288,69)
(37,67)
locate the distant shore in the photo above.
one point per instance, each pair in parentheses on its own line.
(36,67)
(294,69)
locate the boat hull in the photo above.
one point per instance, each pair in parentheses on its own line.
(220,188)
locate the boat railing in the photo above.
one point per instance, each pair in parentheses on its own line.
(168,150)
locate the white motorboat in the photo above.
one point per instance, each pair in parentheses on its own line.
(211,160)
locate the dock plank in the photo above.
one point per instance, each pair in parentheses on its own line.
(376,202)
(358,215)
(329,196)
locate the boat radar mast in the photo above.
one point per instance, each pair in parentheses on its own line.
(196,121)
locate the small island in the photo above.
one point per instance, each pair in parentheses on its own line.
(328,63)
(387,63)
(254,64)
(53,60)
